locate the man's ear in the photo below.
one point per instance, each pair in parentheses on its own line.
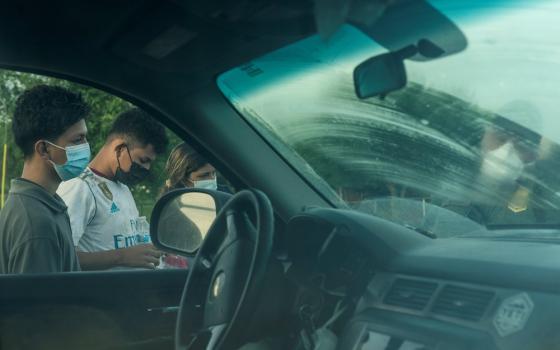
(118,145)
(41,149)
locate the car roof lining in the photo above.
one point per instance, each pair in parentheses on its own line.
(29,44)
(193,37)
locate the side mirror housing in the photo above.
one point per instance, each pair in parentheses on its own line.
(181,219)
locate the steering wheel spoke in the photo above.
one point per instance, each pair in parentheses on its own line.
(250,227)
(207,338)
(216,333)
(232,226)
(227,275)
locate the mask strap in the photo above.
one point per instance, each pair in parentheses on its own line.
(124,145)
(129,156)
(118,160)
(54,145)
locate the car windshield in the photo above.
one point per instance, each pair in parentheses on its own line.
(471,141)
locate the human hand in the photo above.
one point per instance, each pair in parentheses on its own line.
(142,255)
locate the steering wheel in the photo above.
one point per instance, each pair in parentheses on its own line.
(229,269)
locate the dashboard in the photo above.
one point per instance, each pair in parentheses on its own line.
(412,292)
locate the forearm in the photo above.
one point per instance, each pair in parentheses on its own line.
(100,260)
(142,255)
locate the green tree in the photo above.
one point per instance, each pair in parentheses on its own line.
(104,109)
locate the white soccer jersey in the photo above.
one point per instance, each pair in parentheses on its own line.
(103,214)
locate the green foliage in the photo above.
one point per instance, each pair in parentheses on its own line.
(104,109)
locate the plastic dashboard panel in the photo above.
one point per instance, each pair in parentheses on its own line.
(429,326)
(411,332)
(478,265)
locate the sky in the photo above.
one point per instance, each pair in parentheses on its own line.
(513,53)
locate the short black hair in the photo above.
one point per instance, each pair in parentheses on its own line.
(141,128)
(45,112)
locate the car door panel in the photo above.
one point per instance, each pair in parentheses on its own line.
(98,310)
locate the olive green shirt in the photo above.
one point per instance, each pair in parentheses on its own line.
(35,233)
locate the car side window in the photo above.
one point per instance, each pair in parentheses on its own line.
(113,164)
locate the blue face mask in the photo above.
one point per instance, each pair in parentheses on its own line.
(77,159)
(210,184)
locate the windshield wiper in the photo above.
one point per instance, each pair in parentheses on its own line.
(533,232)
(550,226)
(422,231)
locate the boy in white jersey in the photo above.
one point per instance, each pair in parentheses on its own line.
(106,227)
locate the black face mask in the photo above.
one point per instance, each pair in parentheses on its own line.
(134,175)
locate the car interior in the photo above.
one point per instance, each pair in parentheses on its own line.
(283,266)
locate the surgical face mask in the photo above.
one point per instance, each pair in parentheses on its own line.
(502,164)
(134,175)
(77,159)
(211,184)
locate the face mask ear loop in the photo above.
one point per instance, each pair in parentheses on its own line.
(119,150)
(45,142)
(129,156)
(118,161)
(52,144)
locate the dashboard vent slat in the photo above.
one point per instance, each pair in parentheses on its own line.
(410,294)
(463,303)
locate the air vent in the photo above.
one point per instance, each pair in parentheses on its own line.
(464,303)
(410,294)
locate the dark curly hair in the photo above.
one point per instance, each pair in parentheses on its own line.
(140,128)
(45,112)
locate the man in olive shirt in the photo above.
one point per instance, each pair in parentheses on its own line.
(35,231)
(35,234)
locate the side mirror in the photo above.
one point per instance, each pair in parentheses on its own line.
(181,219)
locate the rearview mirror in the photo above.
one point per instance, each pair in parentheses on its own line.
(379,75)
(182,218)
